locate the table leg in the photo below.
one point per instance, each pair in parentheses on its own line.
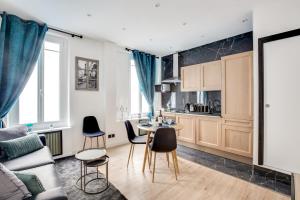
(146,150)
(107,174)
(80,174)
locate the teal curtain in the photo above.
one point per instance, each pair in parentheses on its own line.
(145,67)
(20,46)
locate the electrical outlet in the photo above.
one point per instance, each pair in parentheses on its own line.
(109,136)
(113,135)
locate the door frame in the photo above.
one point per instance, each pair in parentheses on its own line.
(261,106)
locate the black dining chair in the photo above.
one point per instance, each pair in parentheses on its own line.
(91,130)
(164,141)
(133,139)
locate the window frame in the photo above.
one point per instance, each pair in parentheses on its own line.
(13,116)
(141,113)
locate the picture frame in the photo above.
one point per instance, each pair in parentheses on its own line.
(86,74)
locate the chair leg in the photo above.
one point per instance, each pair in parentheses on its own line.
(84,143)
(104,142)
(153,167)
(132,151)
(167,154)
(174,163)
(129,154)
(91,139)
(98,143)
(150,157)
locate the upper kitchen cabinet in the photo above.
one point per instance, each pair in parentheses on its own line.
(211,76)
(237,86)
(202,77)
(191,78)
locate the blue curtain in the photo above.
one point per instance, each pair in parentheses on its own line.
(145,67)
(20,46)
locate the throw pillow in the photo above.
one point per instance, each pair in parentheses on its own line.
(31,181)
(11,187)
(11,133)
(21,146)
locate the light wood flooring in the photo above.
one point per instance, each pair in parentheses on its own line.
(194,181)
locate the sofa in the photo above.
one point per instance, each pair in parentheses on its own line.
(39,162)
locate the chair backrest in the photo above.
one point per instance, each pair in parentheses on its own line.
(90,125)
(164,140)
(130,131)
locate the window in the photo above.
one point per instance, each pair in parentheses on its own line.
(43,102)
(138,103)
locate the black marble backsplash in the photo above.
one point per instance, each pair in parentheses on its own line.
(206,53)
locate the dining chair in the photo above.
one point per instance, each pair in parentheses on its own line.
(133,139)
(91,130)
(164,141)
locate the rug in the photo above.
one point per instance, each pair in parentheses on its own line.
(68,170)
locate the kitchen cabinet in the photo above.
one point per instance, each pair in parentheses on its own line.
(208,132)
(237,86)
(187,133)
(191,78)
(211,74)
(202,77)
(237,139)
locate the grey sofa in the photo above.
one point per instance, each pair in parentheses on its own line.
(39,162)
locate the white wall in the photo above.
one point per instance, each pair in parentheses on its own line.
(269,19)
(104,104)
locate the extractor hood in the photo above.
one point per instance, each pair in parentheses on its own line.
(175,78)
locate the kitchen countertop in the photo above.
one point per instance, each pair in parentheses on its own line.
(195,113)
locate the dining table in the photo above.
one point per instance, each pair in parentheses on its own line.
(151,128)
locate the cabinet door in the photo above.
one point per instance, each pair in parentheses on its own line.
(208,132)
(190,78)
(237,140)
(237,86)
(211,76)
(187,133)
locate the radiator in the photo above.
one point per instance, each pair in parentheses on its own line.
(54,142)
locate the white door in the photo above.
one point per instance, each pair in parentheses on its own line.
(282,104)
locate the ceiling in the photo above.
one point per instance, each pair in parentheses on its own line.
(160,27)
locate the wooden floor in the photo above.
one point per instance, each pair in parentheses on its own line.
(194,182)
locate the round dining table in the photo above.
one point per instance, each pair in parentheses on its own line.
(151,128)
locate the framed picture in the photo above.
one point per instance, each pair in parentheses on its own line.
(87,74)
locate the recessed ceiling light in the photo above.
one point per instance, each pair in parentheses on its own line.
(157,5)
(184,23)
(123,29)
(245,20)
(89,15)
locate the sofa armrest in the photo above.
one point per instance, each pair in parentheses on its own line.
(43,139)
(52,194)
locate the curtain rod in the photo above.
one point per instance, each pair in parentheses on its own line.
(127,49)
(59,30)
(66,32)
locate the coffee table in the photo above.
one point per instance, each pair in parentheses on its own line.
(92,158)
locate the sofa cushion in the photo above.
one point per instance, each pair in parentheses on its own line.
(31,181)
(34,159)
(11,188)
(11,133)
(53,194)
(46,174)
(21,146)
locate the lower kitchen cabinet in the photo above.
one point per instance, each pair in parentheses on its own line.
(208,132)
(187,133)
(237,140)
